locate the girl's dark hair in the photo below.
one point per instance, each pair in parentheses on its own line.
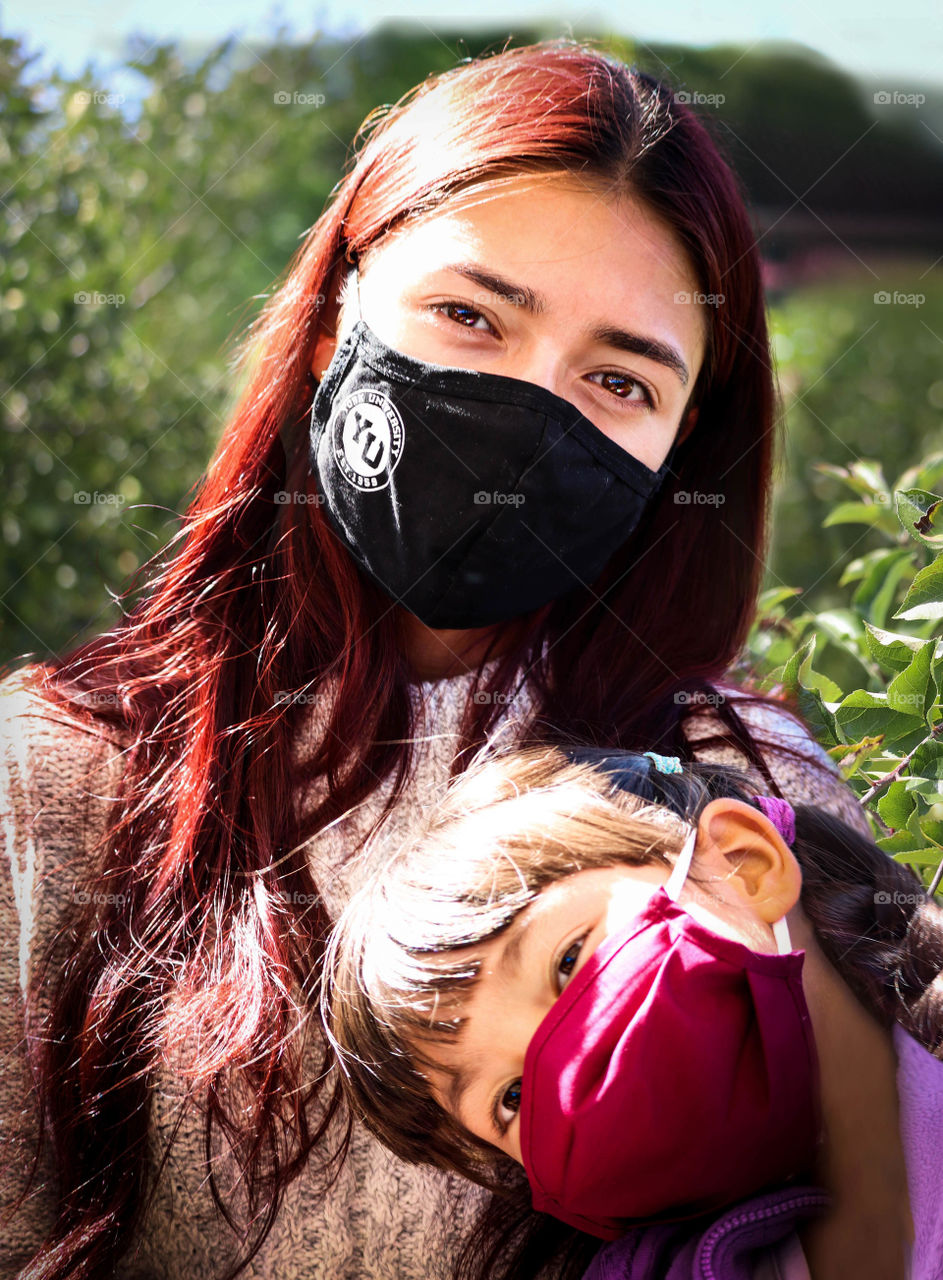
(516,821)
(259,615)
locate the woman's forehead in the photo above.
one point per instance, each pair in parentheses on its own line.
(591,256)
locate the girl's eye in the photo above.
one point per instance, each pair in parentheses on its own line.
(567,963)
(624,380)
(462,311)
(507,1105)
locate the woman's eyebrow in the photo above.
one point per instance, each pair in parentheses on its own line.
(521,295)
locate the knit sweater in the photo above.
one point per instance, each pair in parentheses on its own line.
(382,1219)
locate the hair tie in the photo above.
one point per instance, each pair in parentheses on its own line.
(781,814)
(664,764)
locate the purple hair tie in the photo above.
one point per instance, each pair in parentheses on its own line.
(781,814)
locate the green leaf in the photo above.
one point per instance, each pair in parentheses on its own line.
(863,477)
(899,842)
(896,805)
(840,625)
(927,760)
(913,690)
(925,597)
(798,674)
(878,589)
(925,475)
(921,514)
(932,828)
(877,514)
(927,857)
(790,673)
(893,650)
(865,715)
(818,715)
(856,569)
(850,757)
(774,597)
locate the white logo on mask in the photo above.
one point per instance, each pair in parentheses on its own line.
(368,438)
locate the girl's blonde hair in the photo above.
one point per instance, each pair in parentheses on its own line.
(515,822)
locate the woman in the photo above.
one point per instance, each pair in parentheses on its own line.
(567,542)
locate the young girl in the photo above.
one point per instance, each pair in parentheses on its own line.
(699,1018)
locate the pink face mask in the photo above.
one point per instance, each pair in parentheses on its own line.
(676,1074)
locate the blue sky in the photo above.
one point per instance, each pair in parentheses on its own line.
(899,43)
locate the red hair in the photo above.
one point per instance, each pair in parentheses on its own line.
(258,603)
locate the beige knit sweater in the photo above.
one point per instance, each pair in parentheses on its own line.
(383,1219)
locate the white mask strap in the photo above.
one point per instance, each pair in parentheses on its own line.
(357,293)
(781,934)
(679,872)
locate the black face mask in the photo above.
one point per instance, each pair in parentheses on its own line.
(469,497)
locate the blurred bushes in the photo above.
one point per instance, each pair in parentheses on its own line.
(860,379)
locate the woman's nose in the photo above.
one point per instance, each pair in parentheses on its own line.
(541,362)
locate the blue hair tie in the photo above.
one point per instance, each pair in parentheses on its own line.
(664,764)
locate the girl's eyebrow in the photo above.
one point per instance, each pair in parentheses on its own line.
(510,959)
(521,295)
(507,963)
(461,1082)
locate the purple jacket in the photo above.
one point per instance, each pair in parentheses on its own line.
(735,1245)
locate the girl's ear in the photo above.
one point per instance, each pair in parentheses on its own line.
(737,843)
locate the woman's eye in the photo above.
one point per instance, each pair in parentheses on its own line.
(459,313)
(622,380)
(568,963)
(508,1105)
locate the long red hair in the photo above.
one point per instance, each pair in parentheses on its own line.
(255,602)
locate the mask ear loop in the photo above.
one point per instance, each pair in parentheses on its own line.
(357,291)
(783,817)
(781,934)
(679,873)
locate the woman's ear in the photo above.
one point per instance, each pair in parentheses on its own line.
(738,844)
